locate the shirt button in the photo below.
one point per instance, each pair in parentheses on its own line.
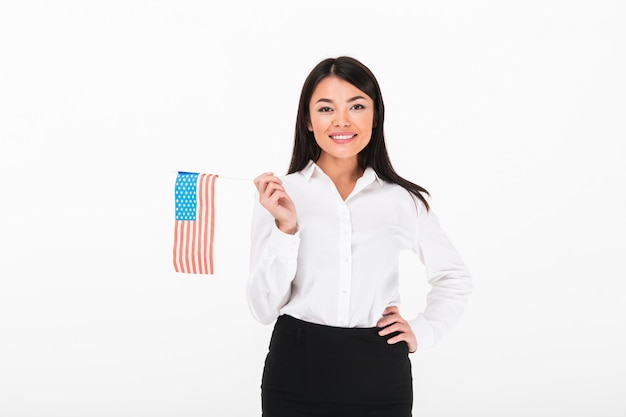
(344,291)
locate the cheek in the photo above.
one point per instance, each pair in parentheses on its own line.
(367,121)
(314,124)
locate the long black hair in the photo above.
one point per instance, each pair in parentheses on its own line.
(375,154)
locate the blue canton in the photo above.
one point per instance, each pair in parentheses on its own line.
(185,195)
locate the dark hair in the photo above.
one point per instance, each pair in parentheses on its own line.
(375,154)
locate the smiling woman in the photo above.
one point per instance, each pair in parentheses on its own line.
(326,240)
(341,120)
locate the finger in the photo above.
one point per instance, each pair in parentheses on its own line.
(390,319)
(402,337)
(257,181)
(402,334)
(263,180)
(395,327)
(261,176)
(391,310)
(267,179)
(273,192)
(408,338)
(276,197)
(264,186)
(385,321)
(388,315)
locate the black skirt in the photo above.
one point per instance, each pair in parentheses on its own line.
(316,370)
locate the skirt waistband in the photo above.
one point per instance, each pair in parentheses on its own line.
(320,334)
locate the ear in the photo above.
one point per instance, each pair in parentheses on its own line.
(309,126)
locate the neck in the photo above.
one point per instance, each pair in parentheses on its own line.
(341,170)
(344,173)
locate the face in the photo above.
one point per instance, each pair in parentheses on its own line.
(341,119)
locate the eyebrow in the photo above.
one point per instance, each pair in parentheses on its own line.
(327,100)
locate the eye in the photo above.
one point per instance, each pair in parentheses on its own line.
(358,107)
(324,109)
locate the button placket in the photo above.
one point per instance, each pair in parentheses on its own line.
(345,267)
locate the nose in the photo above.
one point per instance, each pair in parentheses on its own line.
(341,119)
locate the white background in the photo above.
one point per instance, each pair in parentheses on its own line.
(512,113)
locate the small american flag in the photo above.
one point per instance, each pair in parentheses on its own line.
(195,220)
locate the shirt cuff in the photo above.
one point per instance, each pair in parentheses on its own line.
(284,245)
(423,332)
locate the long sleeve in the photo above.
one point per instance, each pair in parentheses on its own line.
(273,263)
(450,280)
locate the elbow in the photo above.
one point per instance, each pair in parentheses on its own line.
(261,311)
(263,316)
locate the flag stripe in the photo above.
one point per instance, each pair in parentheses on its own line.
(193,237)
(176,244)
(212,228)
(202,219)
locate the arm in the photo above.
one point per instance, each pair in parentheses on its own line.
(450,280)
(273,250)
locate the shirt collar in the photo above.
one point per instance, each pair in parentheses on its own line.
(369,175)
(307,171)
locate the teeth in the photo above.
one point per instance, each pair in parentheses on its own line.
(342,137)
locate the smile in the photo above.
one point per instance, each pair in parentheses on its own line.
(342,137)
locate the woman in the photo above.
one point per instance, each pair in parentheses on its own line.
(324,260)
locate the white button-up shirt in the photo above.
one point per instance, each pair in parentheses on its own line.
(341,266)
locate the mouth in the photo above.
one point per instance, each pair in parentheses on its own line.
(343,136)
